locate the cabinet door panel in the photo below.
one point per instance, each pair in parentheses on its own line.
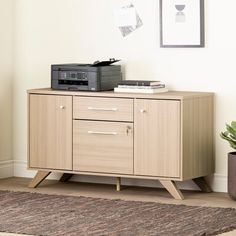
(105,147)
(157,138)
(50,132)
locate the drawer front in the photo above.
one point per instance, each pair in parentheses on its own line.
(105,147)
(93,108)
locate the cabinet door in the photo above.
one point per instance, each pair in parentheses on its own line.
(157,138)
(105,147)
(50,132)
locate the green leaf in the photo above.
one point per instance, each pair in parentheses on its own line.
(233,145)
(230,134)
(227,138)
(224,137)
(226,133)
(232,137)
(233,124)
(231,130)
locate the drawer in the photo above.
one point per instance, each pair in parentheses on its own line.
(105,147)
(93,108)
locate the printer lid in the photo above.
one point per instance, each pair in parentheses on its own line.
(83,66)
(104,63)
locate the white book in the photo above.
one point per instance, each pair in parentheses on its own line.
(142,87)
(138,90)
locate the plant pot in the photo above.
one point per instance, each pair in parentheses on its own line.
(232,175)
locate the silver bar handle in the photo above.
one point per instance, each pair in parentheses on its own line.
(102,109)
(102,133)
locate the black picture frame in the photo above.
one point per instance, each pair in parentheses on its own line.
(201,24)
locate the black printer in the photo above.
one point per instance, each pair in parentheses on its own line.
(99,76)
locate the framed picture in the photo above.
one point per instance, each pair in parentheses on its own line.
(182,23)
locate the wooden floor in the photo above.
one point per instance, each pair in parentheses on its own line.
(194,198)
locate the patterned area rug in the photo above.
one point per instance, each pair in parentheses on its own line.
(53,215)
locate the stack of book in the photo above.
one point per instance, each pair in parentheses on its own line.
(140,86)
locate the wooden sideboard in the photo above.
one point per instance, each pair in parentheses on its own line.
(166,136)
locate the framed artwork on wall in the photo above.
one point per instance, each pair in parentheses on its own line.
(182,23)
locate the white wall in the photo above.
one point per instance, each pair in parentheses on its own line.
(62,31)
(6,74)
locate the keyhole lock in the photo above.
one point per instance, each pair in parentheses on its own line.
(128,129)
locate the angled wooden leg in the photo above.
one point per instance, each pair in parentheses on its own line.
(39,177)
(171,187)
(202,184)
(65,177)
(118,182)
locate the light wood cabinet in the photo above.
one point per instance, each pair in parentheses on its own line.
(167,137)
(157,138)
(50,132)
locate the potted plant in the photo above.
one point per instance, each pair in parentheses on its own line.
(230,136)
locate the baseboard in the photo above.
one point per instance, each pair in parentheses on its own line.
(20,170)
(6,169)
(217,181)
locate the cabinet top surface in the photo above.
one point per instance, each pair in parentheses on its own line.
(179,95)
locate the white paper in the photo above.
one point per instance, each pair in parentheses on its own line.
(125,17)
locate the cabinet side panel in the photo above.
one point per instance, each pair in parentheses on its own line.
(50,132)
(197,137)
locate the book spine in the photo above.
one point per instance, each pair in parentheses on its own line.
(126,90)
(136,83)
(142,87)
